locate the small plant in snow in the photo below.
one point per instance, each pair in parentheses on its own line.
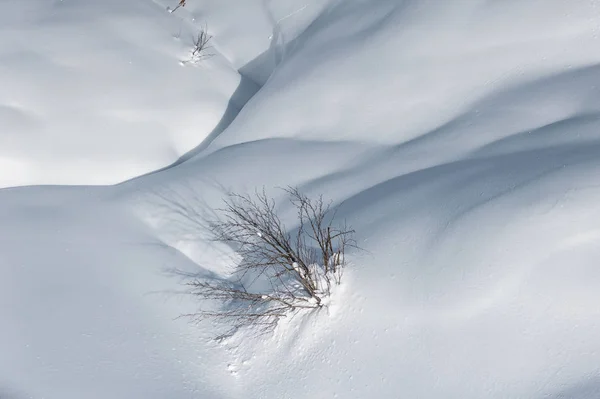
(201,47)
(280,272)
(181,4)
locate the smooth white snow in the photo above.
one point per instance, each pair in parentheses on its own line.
(462,140)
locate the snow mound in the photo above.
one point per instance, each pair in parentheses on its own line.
(95,93)
(460,139)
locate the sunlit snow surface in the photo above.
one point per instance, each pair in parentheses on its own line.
(461,138)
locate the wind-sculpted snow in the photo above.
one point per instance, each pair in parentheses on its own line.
(460,139)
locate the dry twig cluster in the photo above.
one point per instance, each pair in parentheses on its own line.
(280,272)
(201,46)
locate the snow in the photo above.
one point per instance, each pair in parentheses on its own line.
(461,140)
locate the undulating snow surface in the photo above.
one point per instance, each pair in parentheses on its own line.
(461,138)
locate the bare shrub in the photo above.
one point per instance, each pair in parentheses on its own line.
(281,271)
(201,47)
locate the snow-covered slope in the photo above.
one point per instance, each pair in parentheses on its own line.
(95,92)
(462,140)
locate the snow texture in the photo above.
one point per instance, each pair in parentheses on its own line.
(461,138)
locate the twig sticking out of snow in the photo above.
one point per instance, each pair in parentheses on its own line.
(280,272)
(181,4)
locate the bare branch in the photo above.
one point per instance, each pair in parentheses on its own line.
(281,271)
(201,47)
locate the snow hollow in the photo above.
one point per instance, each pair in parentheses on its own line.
(460,139)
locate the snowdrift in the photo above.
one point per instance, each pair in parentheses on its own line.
(460,139)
